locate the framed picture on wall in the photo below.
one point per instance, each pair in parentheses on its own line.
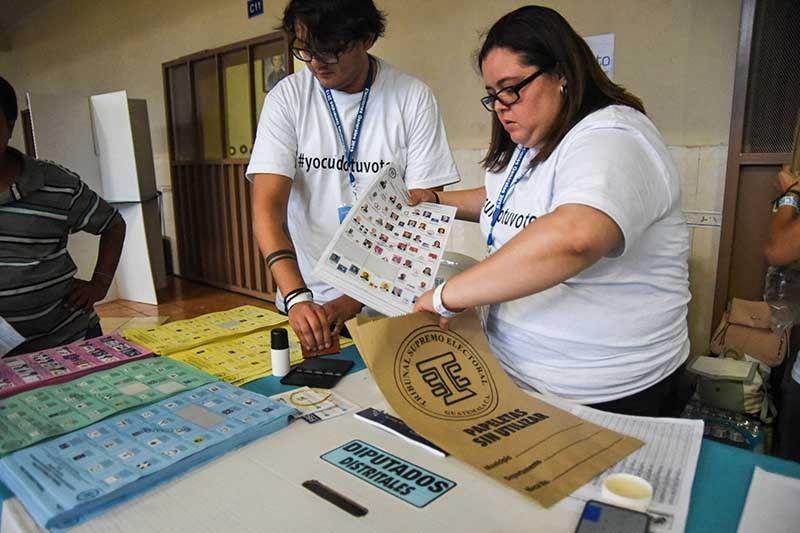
(274,70)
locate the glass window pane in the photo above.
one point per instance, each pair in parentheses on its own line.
(182,126)
(238,124)
(206,93)
(771,104)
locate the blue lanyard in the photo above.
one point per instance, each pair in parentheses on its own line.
(362,109)
(504,192)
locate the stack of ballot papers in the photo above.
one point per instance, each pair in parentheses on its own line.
(43,413)
(66,480)
(62,363)
(243,359)
(213,327)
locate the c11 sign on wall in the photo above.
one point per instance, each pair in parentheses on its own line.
(255,8)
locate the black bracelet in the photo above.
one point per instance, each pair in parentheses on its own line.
(435,195)
(279,255)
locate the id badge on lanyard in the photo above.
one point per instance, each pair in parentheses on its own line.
(351,151)
(343,210)
(503,196)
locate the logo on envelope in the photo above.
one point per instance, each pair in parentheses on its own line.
(442,375)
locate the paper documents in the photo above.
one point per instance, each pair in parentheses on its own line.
(386,253)
(9,337)
(213,327)
(243,359)
(33,416)
(68,479)
(55,365)
(771,505)
(448,387)
(316,405)
(668,460)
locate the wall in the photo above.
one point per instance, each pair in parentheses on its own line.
(5,64)
(678,56)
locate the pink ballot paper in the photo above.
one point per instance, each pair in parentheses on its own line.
(63,363)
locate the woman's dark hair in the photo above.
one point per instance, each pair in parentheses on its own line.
(541,37)
(333,23)
(8,101)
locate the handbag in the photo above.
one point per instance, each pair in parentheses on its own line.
(733,385)
(745,330)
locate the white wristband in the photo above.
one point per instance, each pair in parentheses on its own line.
(439,307)
(789,199)
(300,298)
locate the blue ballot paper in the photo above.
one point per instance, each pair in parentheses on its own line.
(66,480)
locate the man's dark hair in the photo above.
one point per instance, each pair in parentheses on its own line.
(8,101)
(333,23)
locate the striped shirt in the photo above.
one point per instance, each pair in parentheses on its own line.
(37,214)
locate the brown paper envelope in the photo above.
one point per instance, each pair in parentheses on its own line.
(450,388)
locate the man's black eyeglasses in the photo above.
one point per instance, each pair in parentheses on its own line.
(509,95)
(327,57)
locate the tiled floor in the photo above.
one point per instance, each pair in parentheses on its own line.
(181,299)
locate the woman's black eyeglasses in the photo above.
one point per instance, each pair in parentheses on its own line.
(509,95)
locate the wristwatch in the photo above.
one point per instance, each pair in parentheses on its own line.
(439,307)
(790,199)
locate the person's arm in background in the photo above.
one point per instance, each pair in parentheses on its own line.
(84,294)
(783,241)
(270,204)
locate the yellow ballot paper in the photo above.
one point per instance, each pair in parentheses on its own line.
(243,359)
(213,327)
(448,386)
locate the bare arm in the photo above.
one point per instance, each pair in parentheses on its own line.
(783,241)
(552,249)
(468,202)
(270,202)
(84,294)
(110,250)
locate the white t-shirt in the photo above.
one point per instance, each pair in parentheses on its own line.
(297,138)
(619,326)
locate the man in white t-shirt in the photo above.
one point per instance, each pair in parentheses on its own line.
(323,135)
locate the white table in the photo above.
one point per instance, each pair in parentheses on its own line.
(258,488)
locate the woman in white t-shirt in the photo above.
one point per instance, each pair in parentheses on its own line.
(587,276)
